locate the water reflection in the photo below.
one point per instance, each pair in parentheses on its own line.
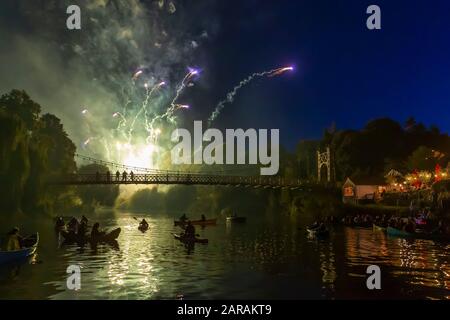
(419,263)
(259,259)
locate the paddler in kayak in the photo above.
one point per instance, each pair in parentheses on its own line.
(143,225)
(13,240)
(96,233)
(189,232)
(183,218)
(82,228)
(72,225)
(84,220)
(59,223)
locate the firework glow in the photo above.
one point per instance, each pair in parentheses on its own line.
(137,92)
(143,152)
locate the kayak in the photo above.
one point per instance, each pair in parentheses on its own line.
(182,238)
(417,235)
(236,219)
(71,237)
(378,228)
(317,233)
(208,222)
(399,233)
(30,245)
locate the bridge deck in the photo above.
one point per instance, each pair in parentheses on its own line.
(180,178)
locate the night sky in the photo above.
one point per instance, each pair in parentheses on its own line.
(344,73)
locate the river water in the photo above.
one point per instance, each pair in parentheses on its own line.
(268,257)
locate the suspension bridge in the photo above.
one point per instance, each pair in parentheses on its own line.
(129,175)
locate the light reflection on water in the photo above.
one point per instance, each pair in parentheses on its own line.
(259,260)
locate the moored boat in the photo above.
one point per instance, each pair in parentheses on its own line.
(29,248)
(236,219)
(316,232)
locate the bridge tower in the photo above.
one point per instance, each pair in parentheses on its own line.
(324,159)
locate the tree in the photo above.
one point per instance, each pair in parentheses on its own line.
(421,159)
(32,149)
(19,103)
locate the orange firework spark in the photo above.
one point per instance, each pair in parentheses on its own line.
(280,71)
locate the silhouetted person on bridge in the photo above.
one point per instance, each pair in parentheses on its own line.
(97,176)
(132,175)
(117,175)
(124,176)
(108,176)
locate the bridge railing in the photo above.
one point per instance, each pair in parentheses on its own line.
(176,178)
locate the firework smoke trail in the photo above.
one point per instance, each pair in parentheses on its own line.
(148,127)
(154,133)
(106,145)
(232,94)
(173,105)
(143,109)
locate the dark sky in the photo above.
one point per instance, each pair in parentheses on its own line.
(345,73)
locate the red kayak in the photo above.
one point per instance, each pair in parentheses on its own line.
(182,238)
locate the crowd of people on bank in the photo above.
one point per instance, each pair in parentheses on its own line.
(423,220)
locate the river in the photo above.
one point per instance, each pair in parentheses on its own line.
(268,257)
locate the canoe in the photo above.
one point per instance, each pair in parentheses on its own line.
(378,228)
(111,236)
(316,233)
(30,246)
(189,240)
(207,222)
(236,219)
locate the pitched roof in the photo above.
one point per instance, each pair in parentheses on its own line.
(368,181)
